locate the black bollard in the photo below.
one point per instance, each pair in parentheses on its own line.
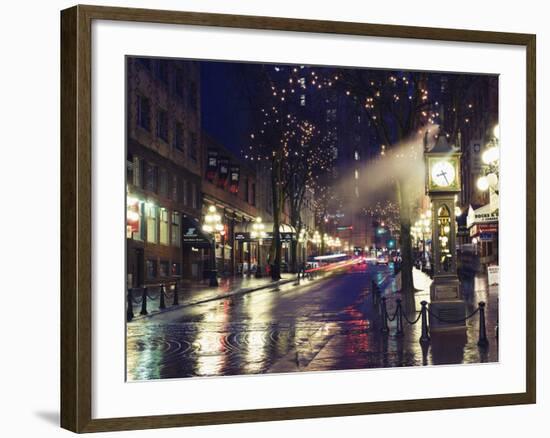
(162,304)
(383,319)
(130,306)
(176,298)
(144,302)
(424,337)
(399,329)
(482,342)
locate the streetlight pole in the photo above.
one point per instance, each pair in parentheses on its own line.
(213,225)
(258,232)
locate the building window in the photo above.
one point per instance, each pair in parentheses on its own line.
(161,71)
(162,125)
(356,156)
(193,146)
(179,136)
(194,196)
(183,192)
(151,177)
(302,100)
(163,183)
(253,194)
(180,83)
(151,268)
(193,95)
(152,233)
(163,226)
(138,171)
(139,234)
(175,236)
(175,188)
(144,112)
(164,268)
(129,169)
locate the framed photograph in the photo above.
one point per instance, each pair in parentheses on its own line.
(269,219)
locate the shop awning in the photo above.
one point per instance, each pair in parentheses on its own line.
(243,230)
(287,232)
(192,234)
(482,215)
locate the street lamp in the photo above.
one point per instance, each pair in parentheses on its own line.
(213,225)
(258,233)
(490,159)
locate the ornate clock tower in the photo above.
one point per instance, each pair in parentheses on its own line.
(442,185)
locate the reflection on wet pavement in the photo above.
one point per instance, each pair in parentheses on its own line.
(326,325)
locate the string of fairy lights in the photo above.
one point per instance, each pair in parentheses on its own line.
(386,212)
(392,101)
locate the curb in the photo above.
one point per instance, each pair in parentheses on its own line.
(213,298)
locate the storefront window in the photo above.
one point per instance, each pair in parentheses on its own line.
(164,268)
(176,269)
(151,268)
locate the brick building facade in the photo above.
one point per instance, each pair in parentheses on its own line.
(164,162)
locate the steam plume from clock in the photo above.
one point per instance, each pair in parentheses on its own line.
(376,180)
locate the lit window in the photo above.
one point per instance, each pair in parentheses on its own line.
(175,229)
(152,233)
(163,226)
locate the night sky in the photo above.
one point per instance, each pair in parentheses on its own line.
(226,107)
(228,103)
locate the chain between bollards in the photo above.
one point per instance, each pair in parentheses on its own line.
(425,336)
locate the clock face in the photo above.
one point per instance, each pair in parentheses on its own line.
(443,173)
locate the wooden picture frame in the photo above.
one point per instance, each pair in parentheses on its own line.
(76,222)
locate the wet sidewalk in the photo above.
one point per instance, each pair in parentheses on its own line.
(200,292)
(359,342)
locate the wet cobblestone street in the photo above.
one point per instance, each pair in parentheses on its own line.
(329,324)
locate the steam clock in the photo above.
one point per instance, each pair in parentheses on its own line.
(443,184)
